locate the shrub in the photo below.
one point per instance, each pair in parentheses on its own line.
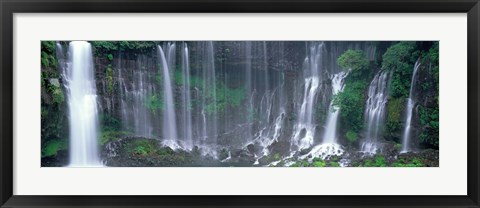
(351,136)
(354,60)
(52,147)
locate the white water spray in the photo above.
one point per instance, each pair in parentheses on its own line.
(329,145)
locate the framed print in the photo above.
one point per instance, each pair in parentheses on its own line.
(245,104)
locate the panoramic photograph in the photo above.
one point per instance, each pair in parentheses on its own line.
(239,104)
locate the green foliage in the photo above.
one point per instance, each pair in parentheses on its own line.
(159,77)
(109,79)
(354,60)
(52,147)
(429,119)
(319,163)
(400,58)
(369,163)
(224,96)
(378,161)
(109,122)
(394,114)
(415,162)
(351,136)
(111,135)
(49,46)
(105,47)
(48,60)
(57,93)
(142,147)
(333,164)
(429,111)
(398,146)
(178,77)
(277,157)
(110,57)
(351,101)
(154,103)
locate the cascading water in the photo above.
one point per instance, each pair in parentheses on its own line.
(82,104)
(409,110)
(305,124)
(329,146)
(210,90)
(186,99)
(375,111)
(169,119)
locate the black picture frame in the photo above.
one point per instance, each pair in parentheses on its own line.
(10,7)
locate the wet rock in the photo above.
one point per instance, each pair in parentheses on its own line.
(251,148)
(282,147)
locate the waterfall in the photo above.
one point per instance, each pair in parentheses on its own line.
(82,105)
(208,111)
(186,111)
(375,111)
(409,109)
(330,136)
(329,145)
(305,124)
(169,119)
(250,91)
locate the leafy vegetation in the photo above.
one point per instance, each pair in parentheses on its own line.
(109,79)
(351,136)
(48,50)
(394,119)
(223,97)
(107,47)
(52,147)
(354,60)
(351,100)
(429,110)
(400,59)
(378,161)
(415,162)
(154,103)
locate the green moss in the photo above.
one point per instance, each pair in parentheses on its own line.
(319,163)
(394,114)
(52,147)
(277,157)
(415,162)
(224,96)
(109,79)
(154,103)
(351,136)
(369,163)
(142,147)
(110,57)
(333,164)
(110,135)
